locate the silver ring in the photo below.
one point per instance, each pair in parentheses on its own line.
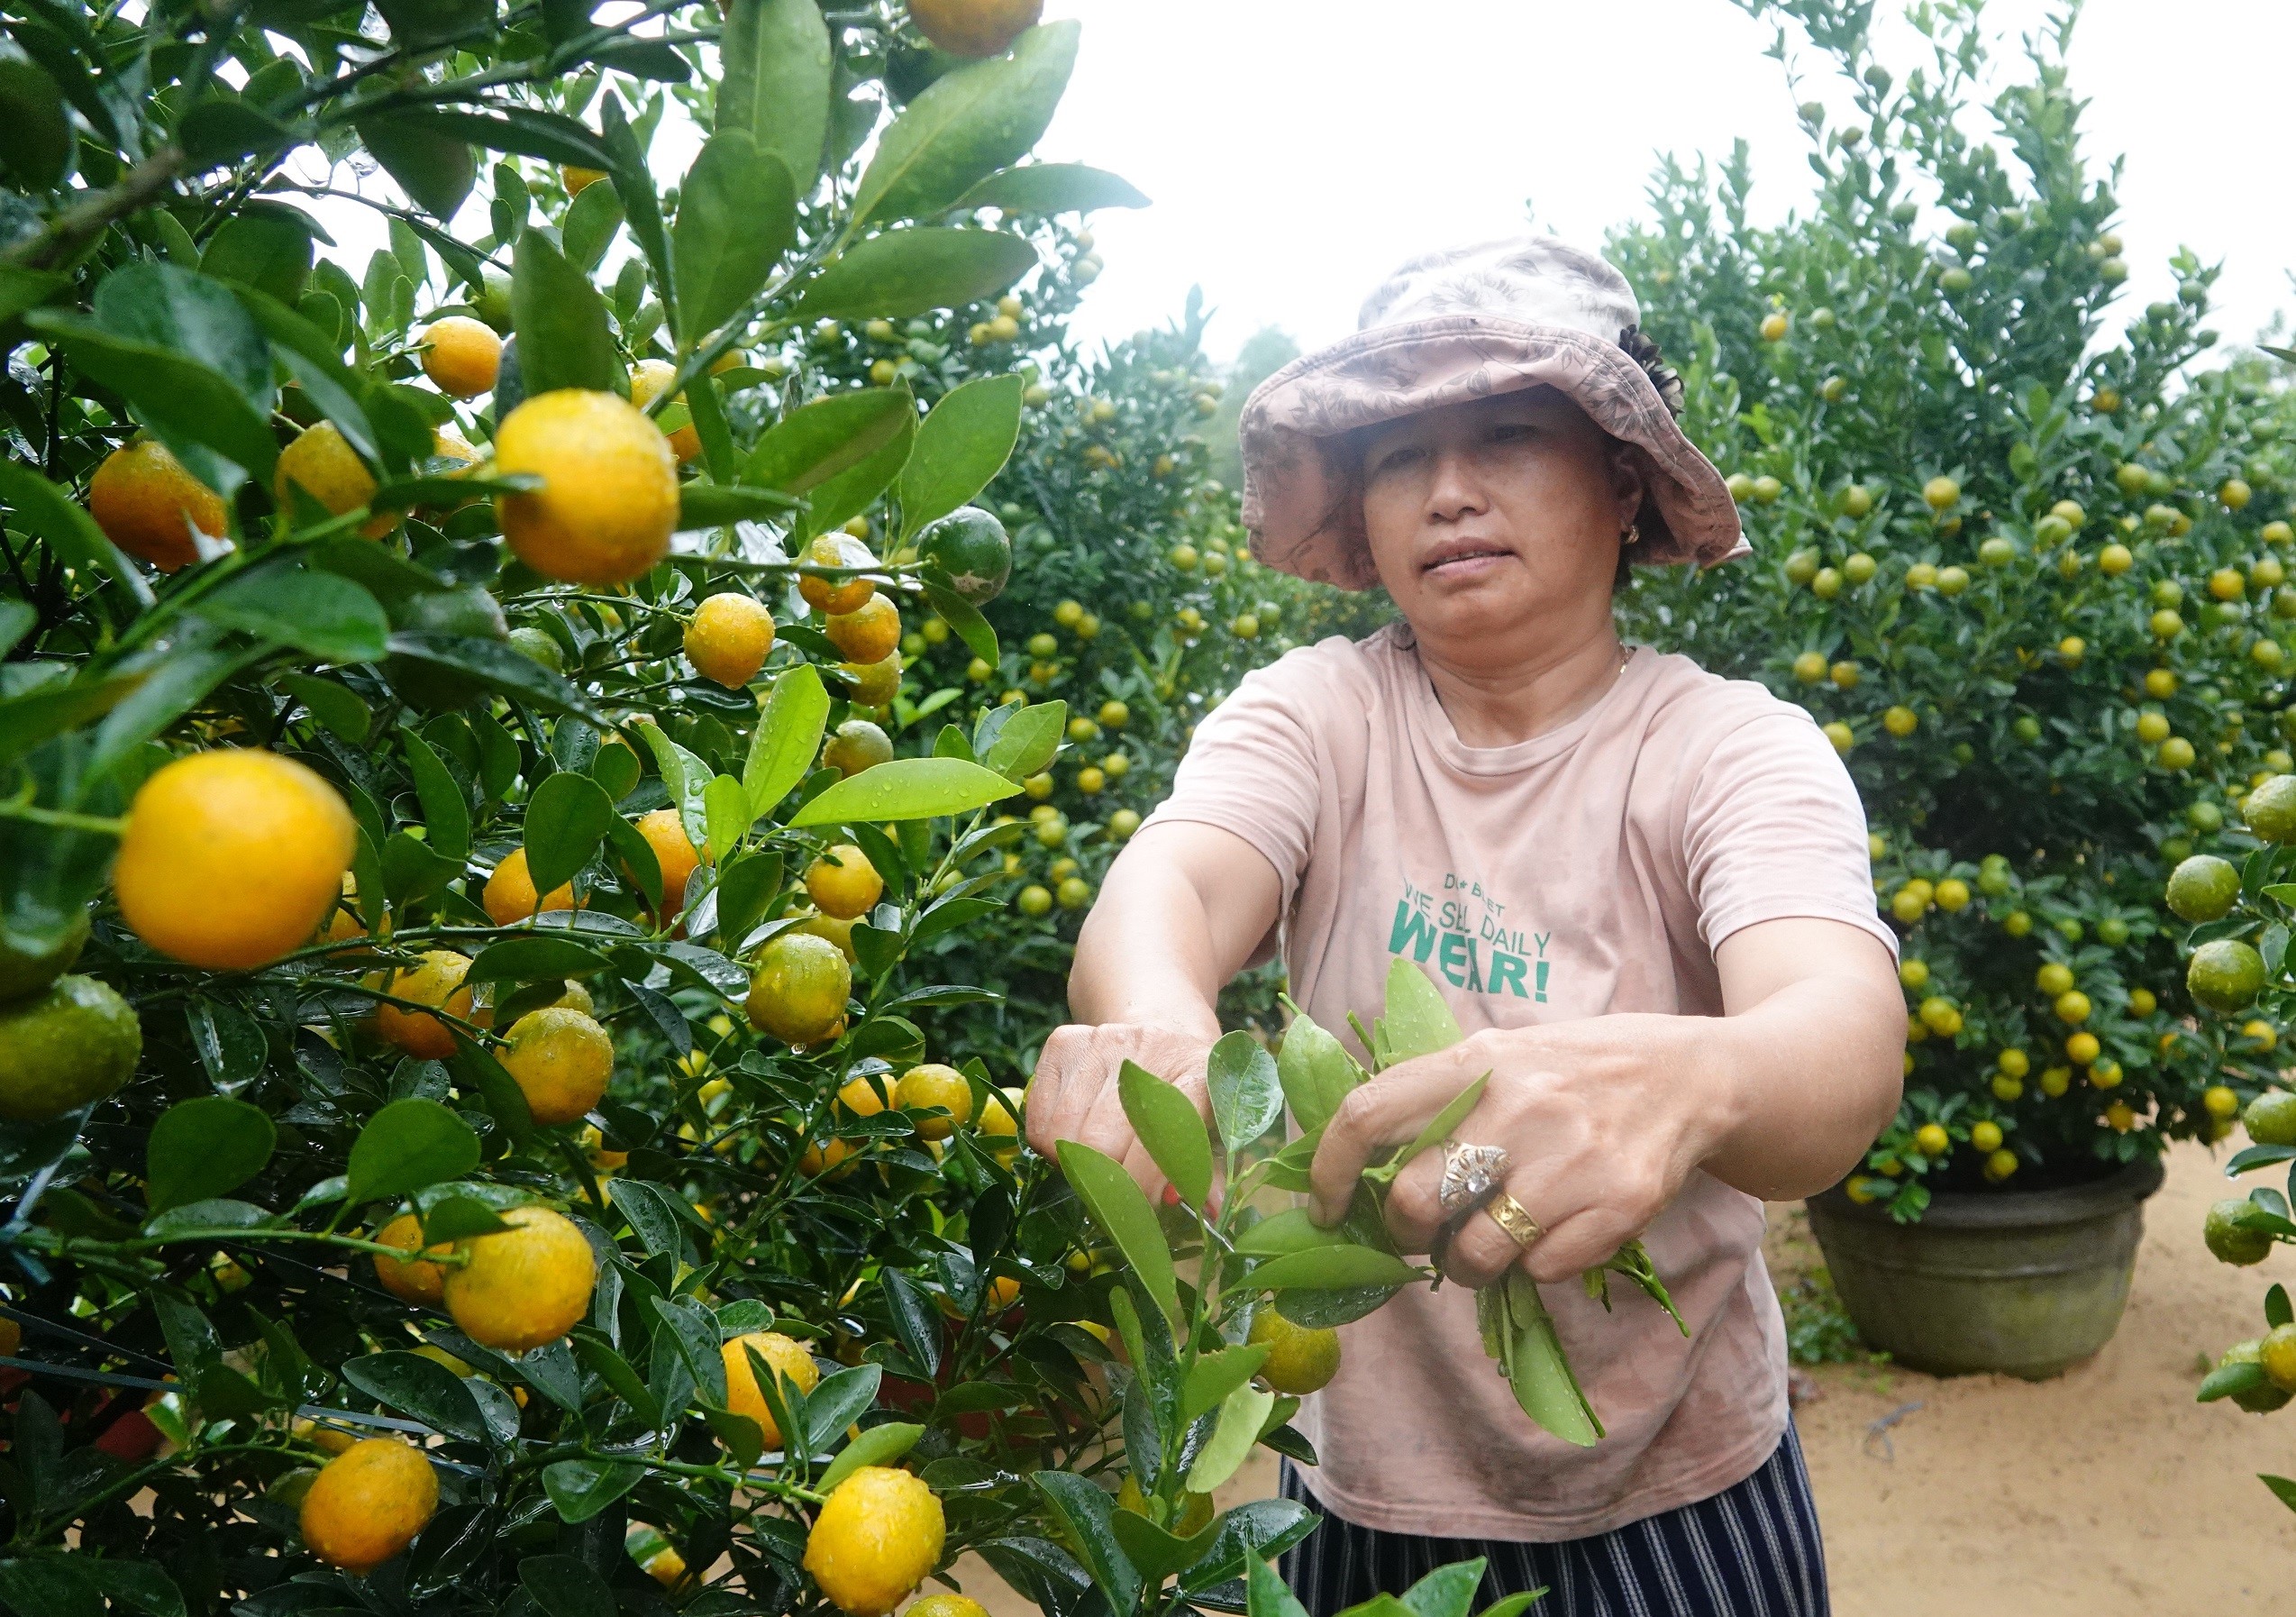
(1471,1175)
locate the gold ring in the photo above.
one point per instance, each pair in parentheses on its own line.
(1508,1213)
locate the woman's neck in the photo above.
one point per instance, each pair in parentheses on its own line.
(1497,702)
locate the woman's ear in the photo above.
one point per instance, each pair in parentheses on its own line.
(1629,482)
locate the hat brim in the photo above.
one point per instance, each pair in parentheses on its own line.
(1299,506)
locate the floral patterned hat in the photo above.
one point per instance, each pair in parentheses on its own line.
(1465,323)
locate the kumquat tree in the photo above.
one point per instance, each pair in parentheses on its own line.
(483,1125)
(2027,568)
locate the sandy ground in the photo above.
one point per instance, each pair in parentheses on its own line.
(2105,1491)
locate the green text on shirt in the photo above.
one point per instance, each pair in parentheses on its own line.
(1467,942)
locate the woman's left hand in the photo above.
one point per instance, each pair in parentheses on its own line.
(1606,1117)
(1603,1118)
(1602,1121)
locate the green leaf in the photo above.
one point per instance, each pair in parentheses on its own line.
(1087,1513)
(457,1218)
(566,820)
(591,220)
(1439,1127)
(852,492)
(962,616)
(1416,1021)
(527,131)
(1247,1099)
(1048,188)
(744,1437)
(776,59)
(717,505)
(422,1389)
(537,958)
(580,1489)
(1520,1332)
(2225,1380)
(46,511)
(1030,740)
(967,125)
(737,213)
(264,244)
(1155,1553)
(134,1586)
(314,360)
(193,409)
(324,614)
(790,724)
(876,1445)
(223,129)
(416,24)
(961,446)
(1332,1268)
(200,1149)
(745,886)
(407,1144)
(915,271)
(191,314)
(1315,1071)
(613,1369)
(1166,1122)
(1446,1592)
(634,185)
(1242,1415)
(436,169)
(906,789)
(1122,1212)
(1265,1594)
(2281,1488)
(52,1585)
(725,811)
(337,708)
(36,137)
(1290,1230)
(565,339)
(686,777)
(818,442)
(501,665)
(21,289)
(1215,1375)
(564,1585)
(1514,1606)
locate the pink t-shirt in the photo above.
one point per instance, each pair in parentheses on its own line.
(1588,870)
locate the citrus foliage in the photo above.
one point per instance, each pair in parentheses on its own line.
(2028,573)
(1134,602)
(471,1119)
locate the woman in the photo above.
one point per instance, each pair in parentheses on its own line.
(1645,889)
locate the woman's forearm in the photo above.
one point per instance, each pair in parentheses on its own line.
(1150,952)
(1807,1078)
(1179,913)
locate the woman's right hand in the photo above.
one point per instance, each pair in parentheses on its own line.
(1074,1096)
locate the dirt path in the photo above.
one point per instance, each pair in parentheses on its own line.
(2105,1491)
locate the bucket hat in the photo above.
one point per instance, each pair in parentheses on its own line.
(1468,322)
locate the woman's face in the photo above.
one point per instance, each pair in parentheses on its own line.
(1497,516)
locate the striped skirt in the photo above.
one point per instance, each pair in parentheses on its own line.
(1752,1551)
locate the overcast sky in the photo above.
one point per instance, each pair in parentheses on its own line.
(1297,149)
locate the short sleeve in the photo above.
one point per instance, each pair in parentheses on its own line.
(1773,830)
(1253,769)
